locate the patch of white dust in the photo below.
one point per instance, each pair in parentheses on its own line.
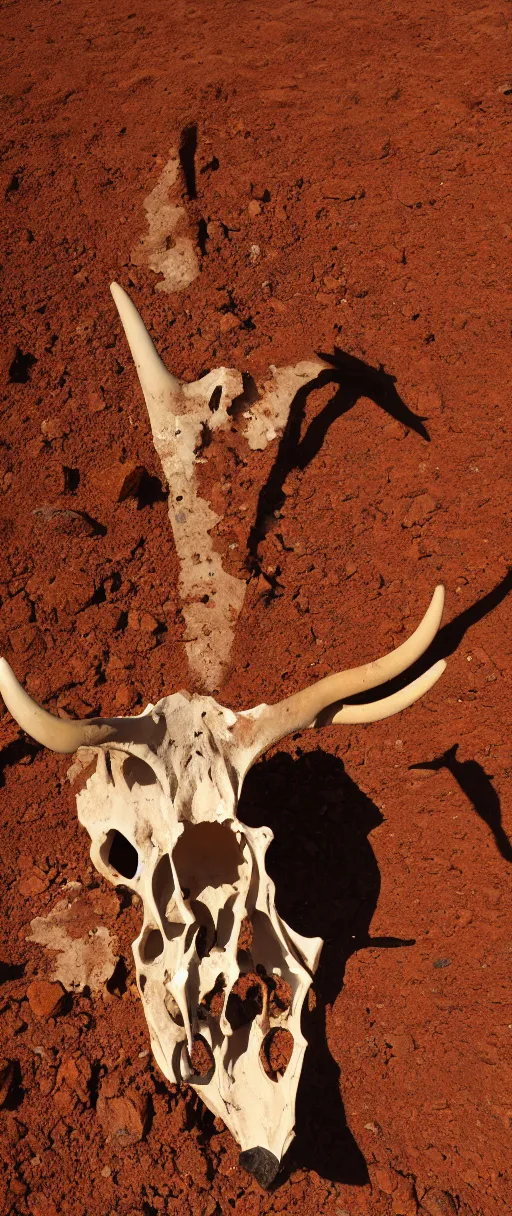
(167,247)
(86,961)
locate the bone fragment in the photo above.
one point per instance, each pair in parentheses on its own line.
(180,415)
(167,248)
(86,961)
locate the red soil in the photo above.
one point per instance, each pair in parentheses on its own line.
(377,142)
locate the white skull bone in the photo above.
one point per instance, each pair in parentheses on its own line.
(161,811)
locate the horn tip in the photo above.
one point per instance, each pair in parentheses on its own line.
(6,675)
(116,291)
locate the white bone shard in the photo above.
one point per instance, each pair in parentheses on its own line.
(167,247)
(161,811)
(85,959)
(180,415)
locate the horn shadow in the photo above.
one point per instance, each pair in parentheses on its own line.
(477,785)
(19,749)
(354,378)
(327,884)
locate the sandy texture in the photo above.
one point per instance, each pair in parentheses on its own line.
(345,180)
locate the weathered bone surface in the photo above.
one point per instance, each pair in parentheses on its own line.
(181,415)
(167,247)
(161,811)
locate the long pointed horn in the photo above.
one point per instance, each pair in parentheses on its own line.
(156,382)
(303,708)
(63,736)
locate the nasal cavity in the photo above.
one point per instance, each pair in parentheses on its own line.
(276,1052)
(151,946)
(137,772)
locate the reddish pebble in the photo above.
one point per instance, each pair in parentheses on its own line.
(123,1119)
(45,998)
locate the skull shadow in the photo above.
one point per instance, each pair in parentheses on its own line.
(327,883)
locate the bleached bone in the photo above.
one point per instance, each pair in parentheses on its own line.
(181,416)
(161,811)
(167,247)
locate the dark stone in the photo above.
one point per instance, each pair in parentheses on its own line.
(261,1163)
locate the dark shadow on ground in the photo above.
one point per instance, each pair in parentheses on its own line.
(477,785)
(327,883)
(15,752)
(187,155)
(11,971)
(354,379)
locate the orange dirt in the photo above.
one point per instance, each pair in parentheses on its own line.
(365,152)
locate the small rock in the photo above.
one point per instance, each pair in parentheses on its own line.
(124,1119)
(124,696)
(119,481)
(63,520)
(75,1072)
(437,1203)
(45,998)
(68,1071)
(40,1205)
(65,1102)
(228,321)
(404,1201)
(96,402)
(34,884)
(54,428)
(385,1180)
(142,622)
(6,1076)
(419,511)
(254,208)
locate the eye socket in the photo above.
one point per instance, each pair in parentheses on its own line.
(120,854)
(137,772)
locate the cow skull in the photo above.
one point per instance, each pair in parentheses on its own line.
(220,974)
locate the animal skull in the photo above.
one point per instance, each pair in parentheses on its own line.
(161,811)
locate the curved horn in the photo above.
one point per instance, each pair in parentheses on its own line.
(156,382)
(60,735)
(377,710)
(301,710)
